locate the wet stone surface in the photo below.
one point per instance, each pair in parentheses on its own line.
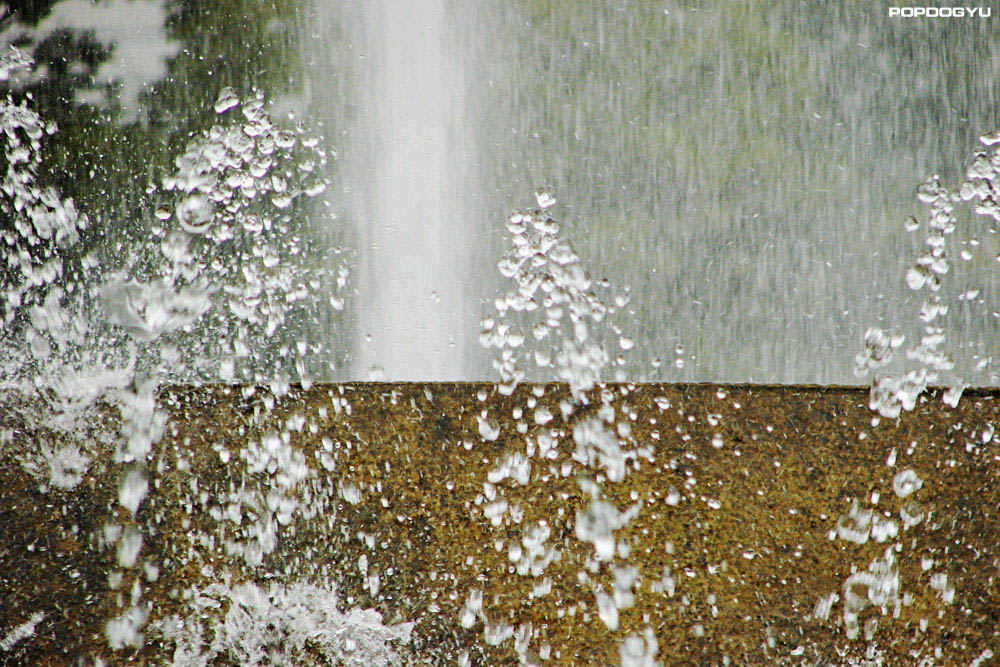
(753,524)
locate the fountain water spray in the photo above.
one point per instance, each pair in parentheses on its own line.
(892,393)
(550,283)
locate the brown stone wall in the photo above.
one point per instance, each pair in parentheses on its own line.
(739,493)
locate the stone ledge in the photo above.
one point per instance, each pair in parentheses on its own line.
(751,546)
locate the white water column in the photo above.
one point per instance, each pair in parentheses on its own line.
(411,293)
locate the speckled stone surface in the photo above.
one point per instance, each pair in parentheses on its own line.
(739,490)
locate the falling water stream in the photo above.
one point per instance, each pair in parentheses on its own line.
(411,291)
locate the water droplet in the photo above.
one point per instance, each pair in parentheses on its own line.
(906,482)
(991,138)
(544,198)
(227,100)
(195,214)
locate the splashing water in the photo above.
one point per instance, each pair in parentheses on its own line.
(550,319)
(892,393)
(550,281)
(43,223)
(278,625)
(194,312)
(231,195)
